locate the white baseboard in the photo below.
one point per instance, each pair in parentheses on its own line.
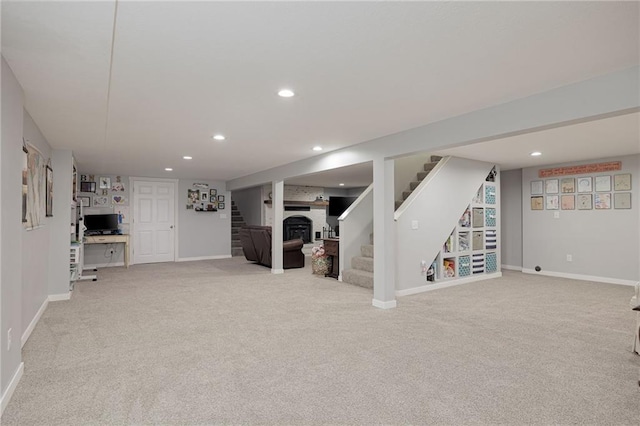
(580,277)
(59,297)
(277,271)
(511,268)
(450,283)
(384,305)
(102,265)
(34,321)
(6,397)
(191,259)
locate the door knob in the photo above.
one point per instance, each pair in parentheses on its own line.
(171,226)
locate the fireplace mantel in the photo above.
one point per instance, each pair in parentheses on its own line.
(301,203)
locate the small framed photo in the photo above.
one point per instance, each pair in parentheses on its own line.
(552,202)
(551,186)
(568,202)
(221,198)
(567,185)
(105,182)
(220,206)
(537,203)
(585,202)
(204,196)
(213,193)
(622,182)
(603,183)
(622,200)
(85,201)
(584,184)
(603,201)
(87,187)
(536,187)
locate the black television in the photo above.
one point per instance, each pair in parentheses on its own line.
(337,205)
(101,223)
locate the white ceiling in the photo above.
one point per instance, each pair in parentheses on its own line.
(182,71)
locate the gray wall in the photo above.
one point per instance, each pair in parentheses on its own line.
(10,224)
(35,242)
(62,162)
(249,202)
(603,243)
(203,234)
(511,215)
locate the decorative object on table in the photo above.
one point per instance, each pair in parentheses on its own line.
(49,193)
(87,187)
(221,198)
(584,184)
(118,199)
(320,261)
(551,186)
(193,196)
(220,206)
(622,182)
(622,200)
(602,201)
(536,187)
(567,185)
(552,202)
(85,201)
(568,202)
(603,183)
(105,182)
(585,202)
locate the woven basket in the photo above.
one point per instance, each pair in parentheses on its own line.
(321,265)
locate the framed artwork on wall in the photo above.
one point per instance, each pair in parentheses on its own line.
(603,201)
(221,198)
(568,202)
(105,183)
(622,200)
(585,202)
(551,186)
(221,206)
(603,183)
(622,182)
(584,184)
(537,203)
(568,185)
(85,201)
(87,187)
(552,202)
(536,187)
(49,191)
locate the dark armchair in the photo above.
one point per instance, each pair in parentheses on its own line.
(256,245)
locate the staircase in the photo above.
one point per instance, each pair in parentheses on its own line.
(237,222)
(361,272)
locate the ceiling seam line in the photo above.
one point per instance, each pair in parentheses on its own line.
(113,42)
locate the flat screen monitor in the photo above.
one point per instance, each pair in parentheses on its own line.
(337,205)
(101,223)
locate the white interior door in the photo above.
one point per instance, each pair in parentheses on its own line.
(153,220)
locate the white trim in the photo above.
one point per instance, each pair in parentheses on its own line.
(59,297)
(102,265)
(445,284)
(580,277)
(384,305)
(511,267)
(34,321)
(191,259)
(277,271)
(13,384)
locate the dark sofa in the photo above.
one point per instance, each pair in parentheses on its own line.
(256,245)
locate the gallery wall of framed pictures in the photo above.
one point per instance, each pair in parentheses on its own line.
(595,192)
(105,192)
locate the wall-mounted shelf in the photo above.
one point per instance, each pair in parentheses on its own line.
(301,203)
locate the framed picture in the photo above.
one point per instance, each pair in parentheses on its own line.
(551,186)
(193,195)
(603,183)
(536,187)
(204,196)
(100,201)
(585,202)
(584,184)
(622,182)
(213,193)
(25,182)
(567,185)
(87,187)
(118,200)
(49,189)
(537,203)
(221,198)
(568,202)
(553,202)
(622,200)
(105,182)
(85,201)
(221,206)
(603,201)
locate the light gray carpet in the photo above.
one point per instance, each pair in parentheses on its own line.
(220,342)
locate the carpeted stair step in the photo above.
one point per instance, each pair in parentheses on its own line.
(398,204)
(362,263)
(236,243)
(405,194)
(235,213)
(435,158)
(359,278)
(237,218)
(236,251)
(429,166)
(414,185)
(422,175)
(366,250)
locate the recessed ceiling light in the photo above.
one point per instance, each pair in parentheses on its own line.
(317,148)
(219,137)
(186,157)
(341,184)
(536,154)
(169,169)
(286,93)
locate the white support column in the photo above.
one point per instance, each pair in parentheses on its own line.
(277,188)
(384,235)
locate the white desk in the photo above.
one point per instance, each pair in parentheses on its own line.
(111,239)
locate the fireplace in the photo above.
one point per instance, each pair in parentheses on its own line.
(297,227)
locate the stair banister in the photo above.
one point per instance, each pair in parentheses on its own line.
(356,226)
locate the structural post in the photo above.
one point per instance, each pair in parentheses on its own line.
(277,188)
(384,235)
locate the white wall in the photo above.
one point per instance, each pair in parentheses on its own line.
(35,242)
(603,243)
(406,170)
(250,204)
(203,234)
(10,226)
(511,211)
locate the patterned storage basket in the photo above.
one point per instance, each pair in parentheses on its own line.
(321,265)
